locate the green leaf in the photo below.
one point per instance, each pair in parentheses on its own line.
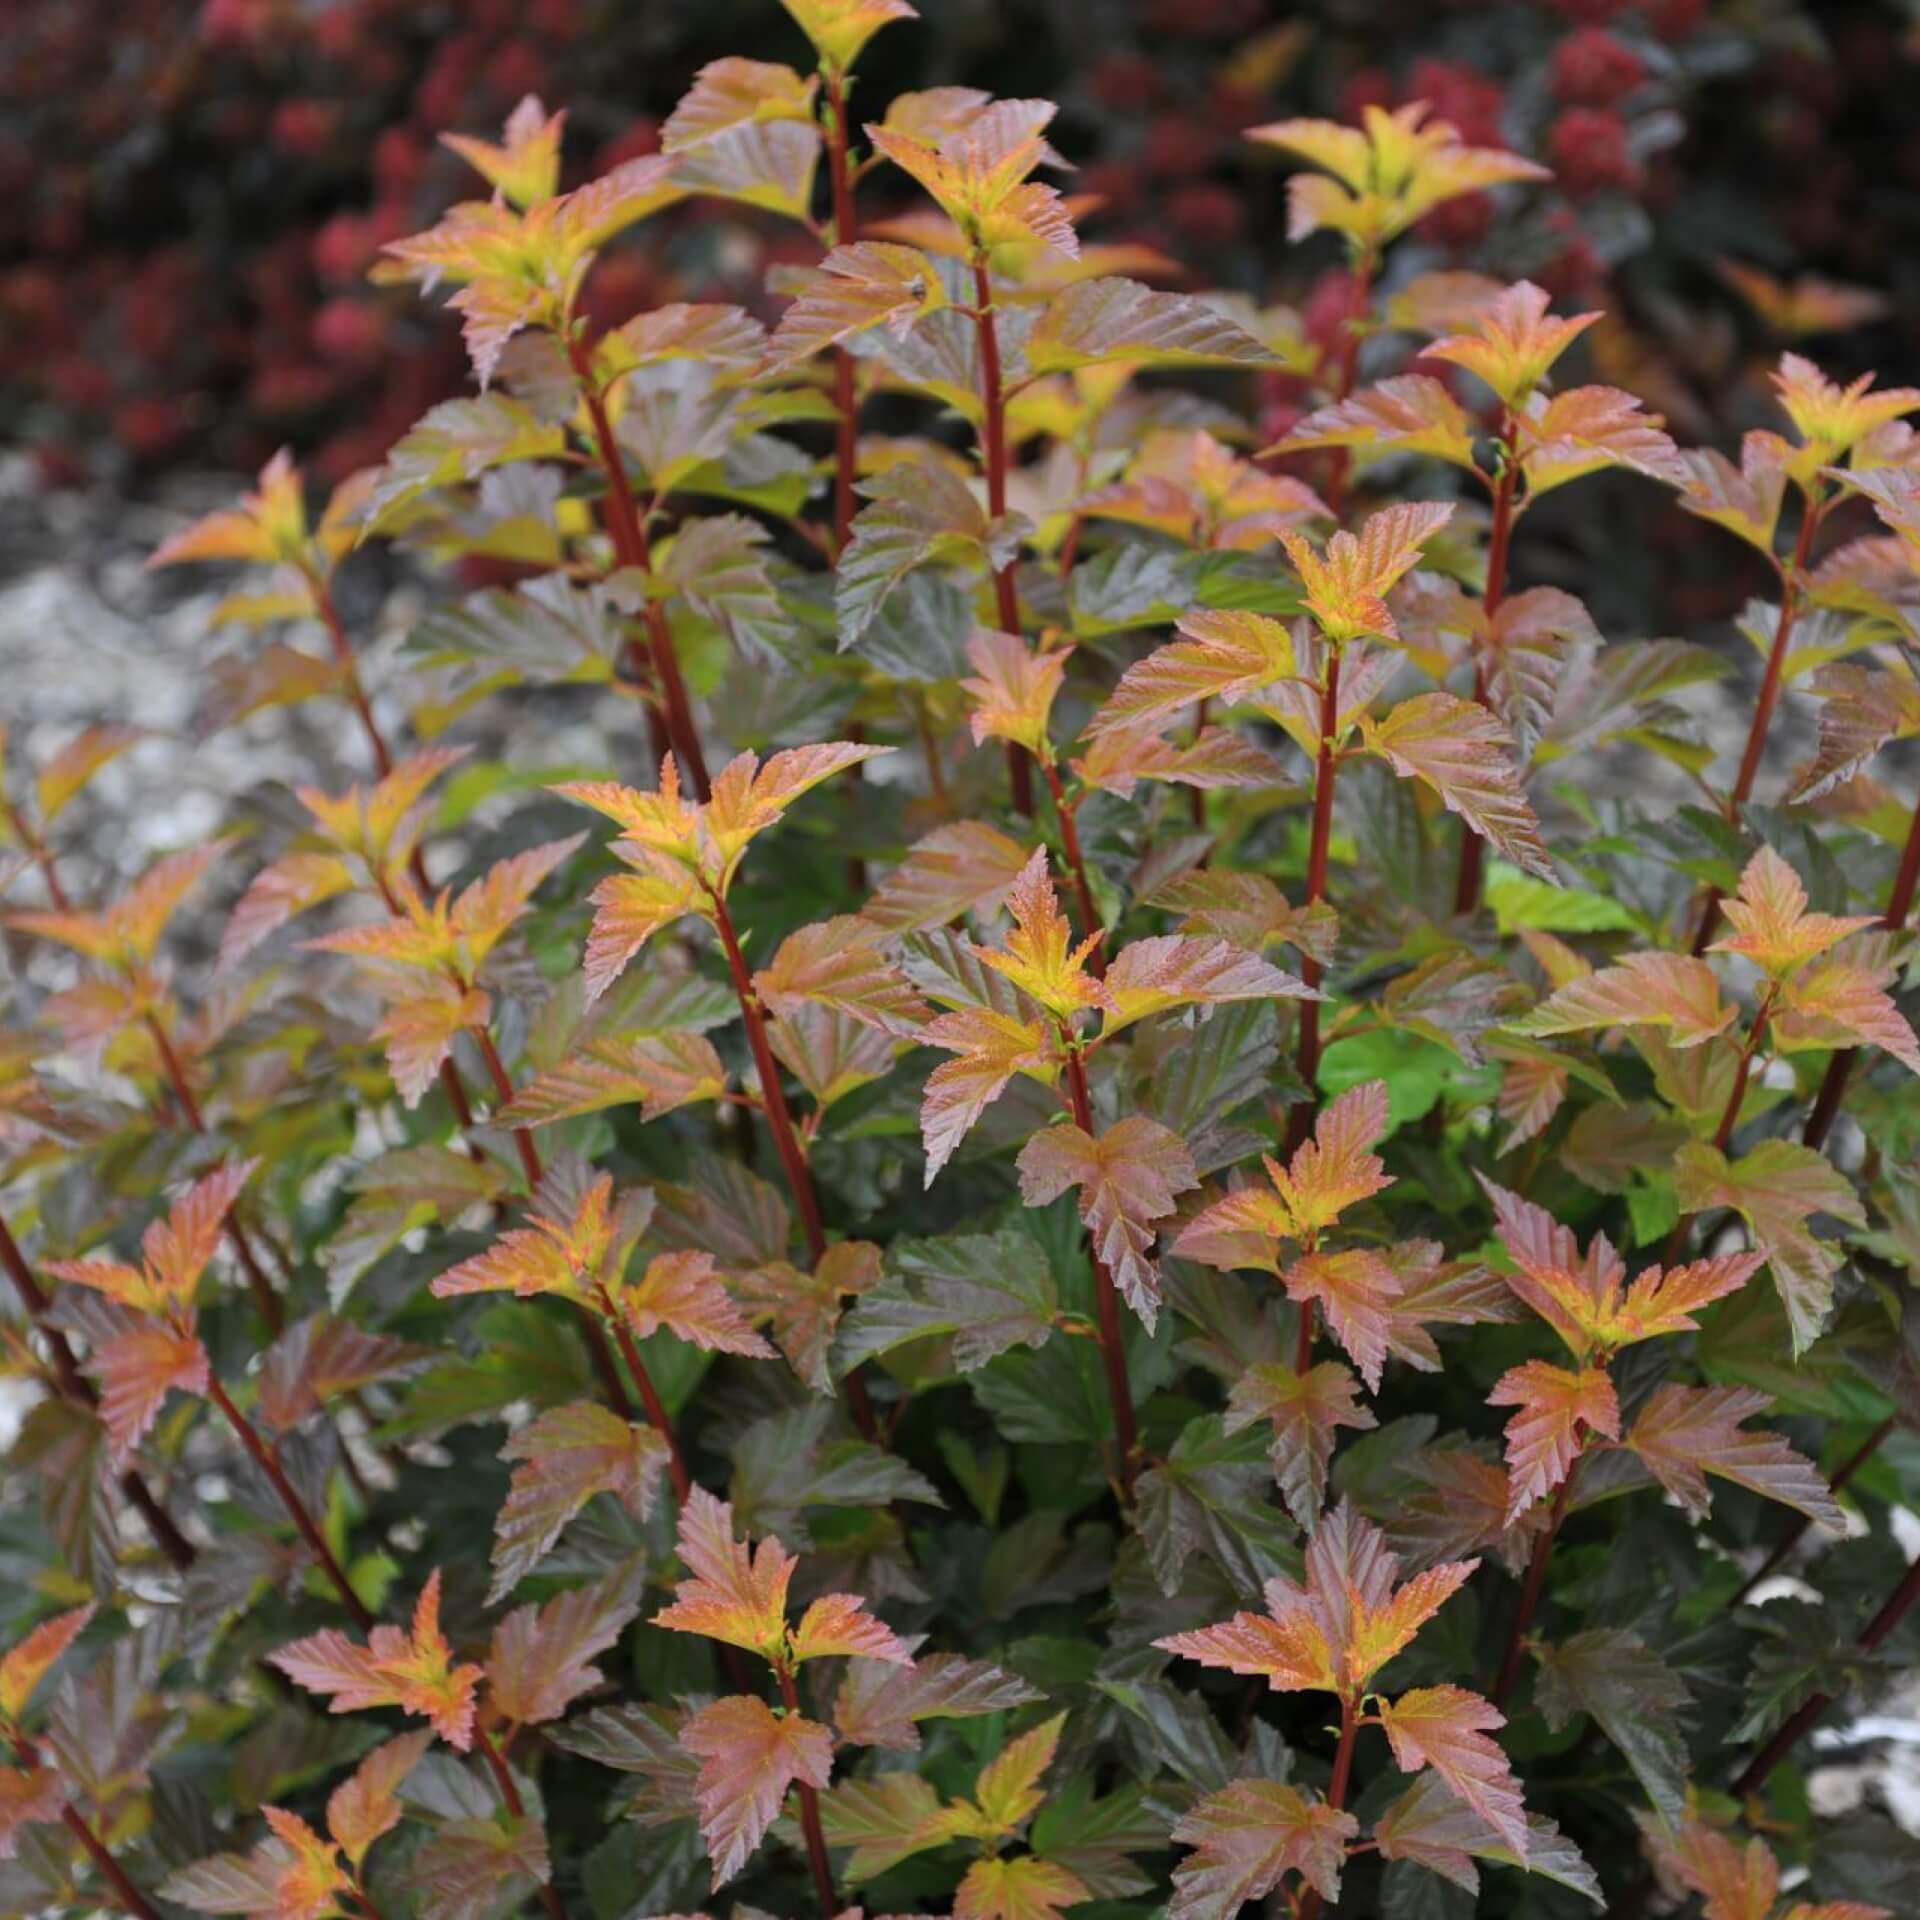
(1637,1699)
(985,1292)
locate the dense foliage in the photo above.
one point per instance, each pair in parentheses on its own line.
(984,1064)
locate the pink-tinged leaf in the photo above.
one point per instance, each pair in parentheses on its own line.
(684,1293)
(412,1670)
(727,93)
(321,1358)
(29,1796)
(749,1759)
(1582,429)
(1685,1433)
(1128,1178)
(1012,689)
(868,284)
(1346,587)
(1446,1728)
(1669,990)
(1770,922)
(1336,1168)
(1465,754)
(840,1623)
(1169,970)
(1356,1289)
(880,1704)
(1306,1412)
(294,883)
(542,1657)
(1410,413)
(1430,1827)
(418,1032)
(658,1072)
(966,867)
(629,909)
(1102,320)
(991,1049)
(136,1373)
(1221,655)
(1841,1003)
(566,1456)
(732,1594)
(805,1309)
(1247,1837)
(1557,1410)
(1249,910)
(1117,761)
(842,964)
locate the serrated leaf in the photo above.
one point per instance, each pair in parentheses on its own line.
(749,1759)
(1247,1837)
(1685,1433)
(987,1292)
(1668,990)
(1305,1412)
(541,1658)
(1102,320)
(1558,1408)
(1634,1696)
(1446,1728)
(967,867)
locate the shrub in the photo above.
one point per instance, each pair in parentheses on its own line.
(1031,1012)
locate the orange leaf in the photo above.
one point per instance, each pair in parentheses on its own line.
(28,1663)
(965,867)
(842,963)
(1013,689)
(541,1659)
(1023,1888)
(992,1048)
(683,1292)
(1513,341)
(839,1623)
(1770,921)
(1685,1433)
(1557,1410)
(732,1594)
(367,1804)
(1356,1289)
(1671,990)
(1305,1411)
(1346,587)
(410,1670)
(1040,956)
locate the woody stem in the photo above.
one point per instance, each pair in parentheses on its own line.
(993,447)
(268,1463)
(1347,372)
(1326,770)
(1536,1585)
(1792,588)
(1106,1298)
(810,1813)
(515,1806)
(1076,863)
(1473,849)
(846,400)
(1337,1788)
(631,549)
(657,1414)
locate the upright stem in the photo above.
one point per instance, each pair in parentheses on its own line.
(503,1091)
(1792,580)
(1473,850)
(1337,1788)
(76,1387)
(993,440)
(129,1896)
(1899,1603)
(1076,863)
(650,1398)
(515,1806)
(1347,372)
(1325,771)
(258,1284)
(1536,1585)
(810,1814)
(1833,1085)
(846,400)
(38,851)
(269,1464)
(1303,1340)
(631,548)
(348,662)
(1106,1296)
(786,1142)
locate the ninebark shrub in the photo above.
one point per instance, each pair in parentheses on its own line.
(1105,1219)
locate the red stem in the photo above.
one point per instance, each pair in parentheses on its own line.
(76,1387)
(650,1399)
(1337,1787)
(1833,1086)
(1326,770)
(124,1890)
(810,1815)
(846,399)
(1361,299)
(348,662)
(631,549)
(1473,849)
(1076,864)
(1113,1349)
(1790,587)
(503,1091)
(1535,1586)
(994,450)
(515,1806)
(40,853)
(269,1464)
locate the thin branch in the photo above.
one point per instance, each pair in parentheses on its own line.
(516,1809)
(1536,1584)
(1326,771)
(810,1814)
(657,1414)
